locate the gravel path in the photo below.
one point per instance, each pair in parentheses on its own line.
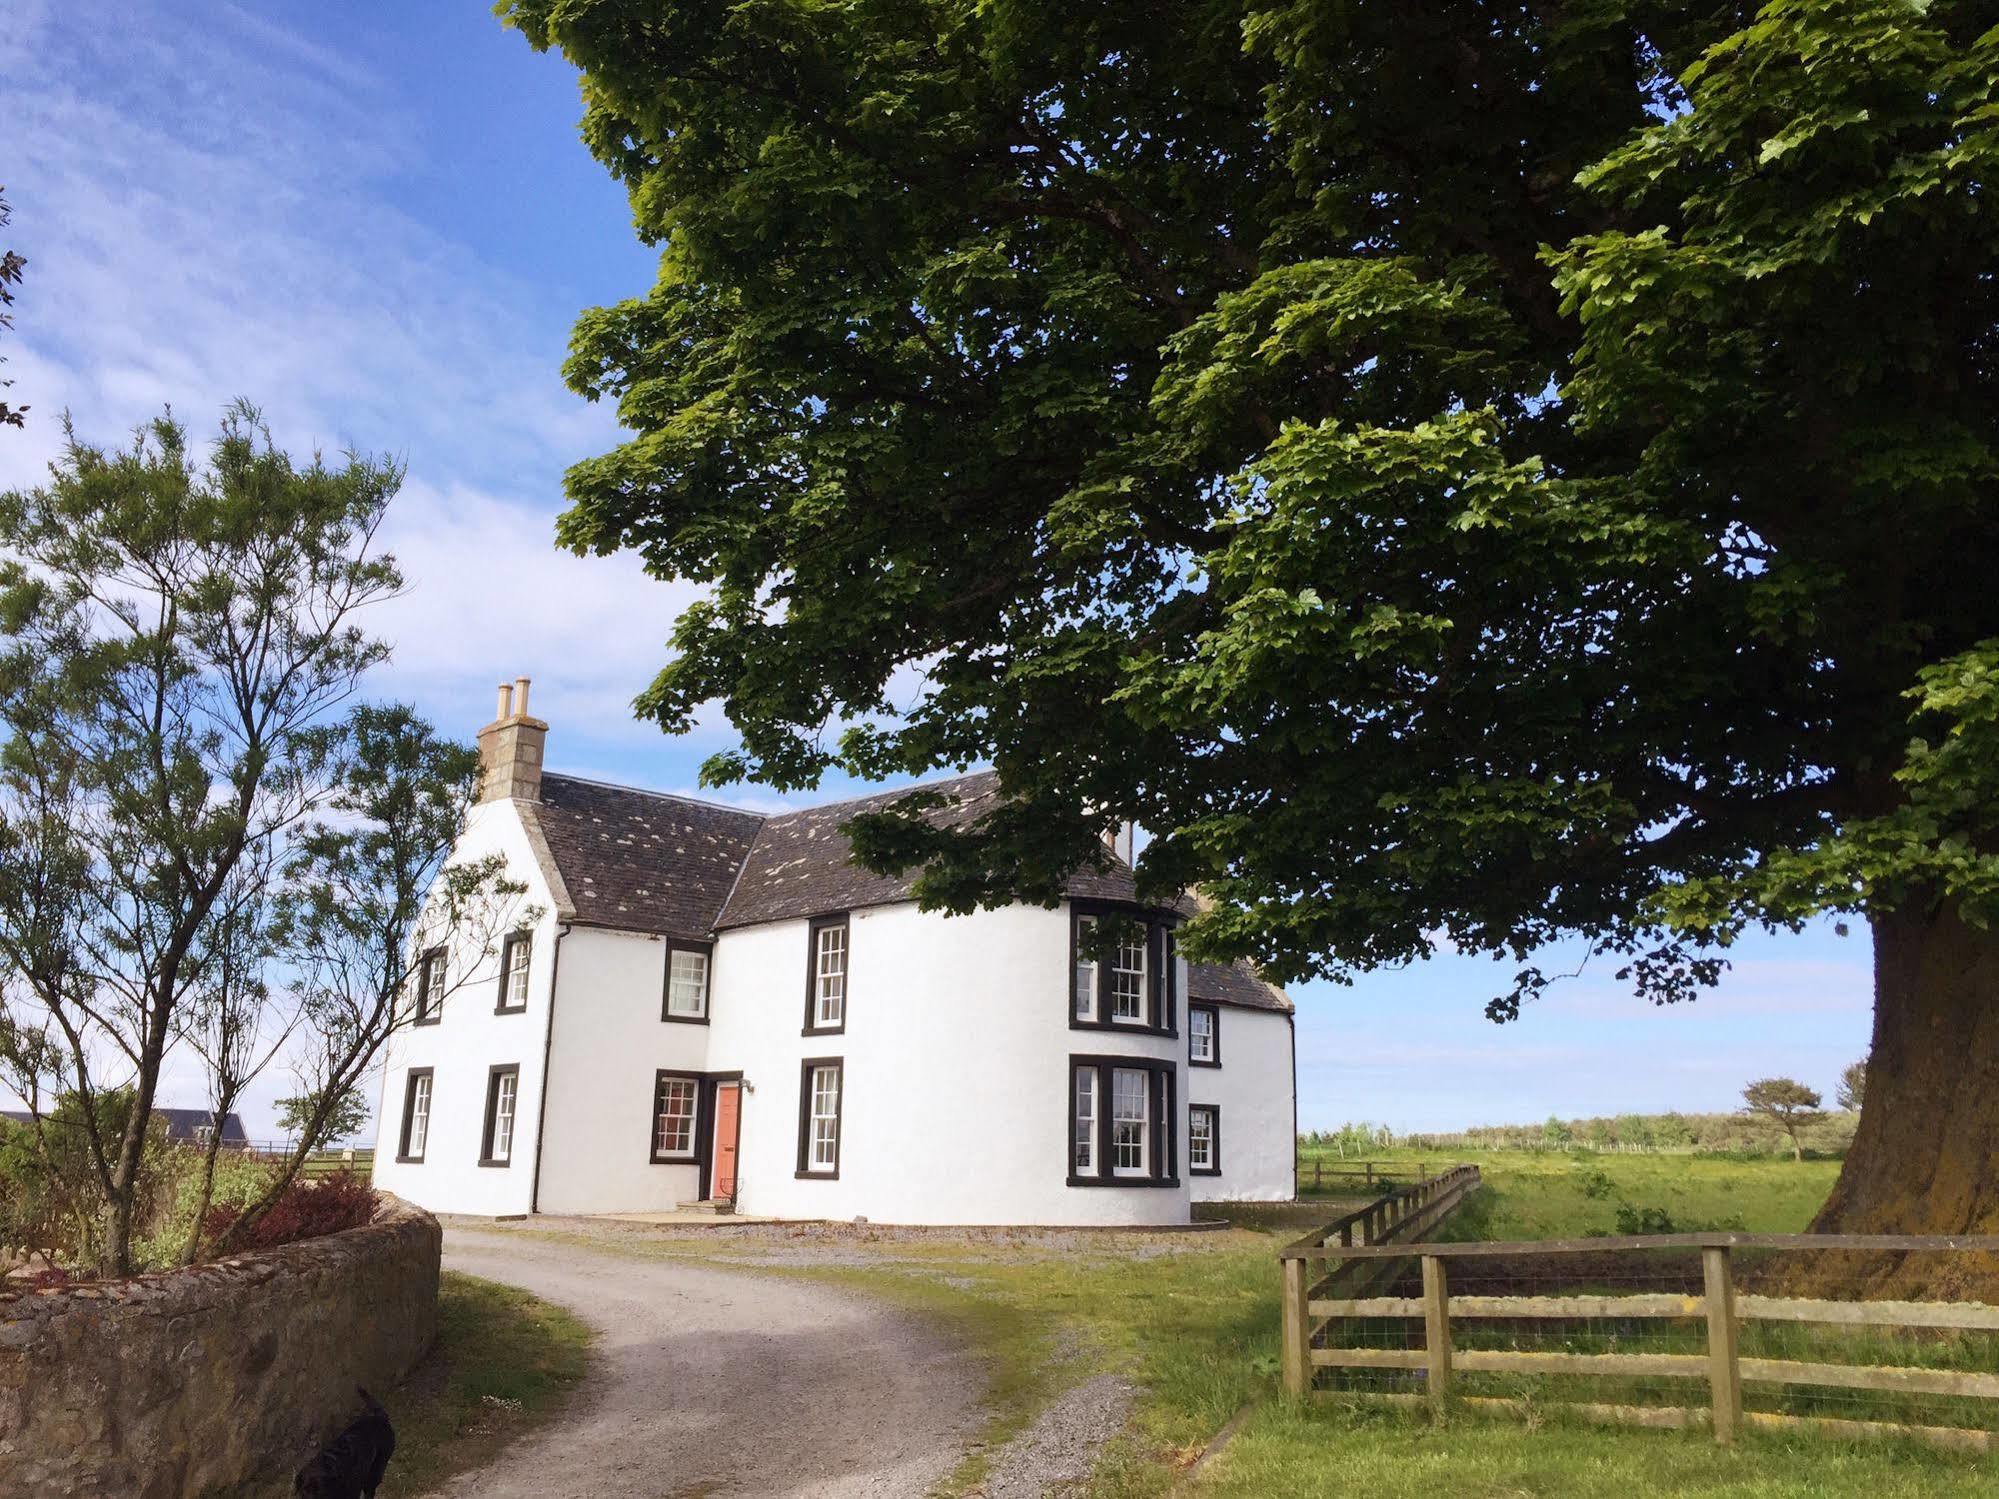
(1060,1448)
(710,1383)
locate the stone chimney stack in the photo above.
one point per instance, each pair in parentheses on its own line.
(510,749)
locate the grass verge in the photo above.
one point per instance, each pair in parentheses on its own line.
(504,1363)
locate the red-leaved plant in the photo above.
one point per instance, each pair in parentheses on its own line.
(307,1210)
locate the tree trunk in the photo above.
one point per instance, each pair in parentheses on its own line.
(1797,1149)
(1925,1159)
(192,1249)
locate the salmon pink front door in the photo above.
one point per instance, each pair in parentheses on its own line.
(728,1125)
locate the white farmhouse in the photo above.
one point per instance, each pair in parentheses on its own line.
(720,1006)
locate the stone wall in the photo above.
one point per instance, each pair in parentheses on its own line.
(197,1381)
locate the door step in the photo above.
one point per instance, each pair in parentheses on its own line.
(706,1205)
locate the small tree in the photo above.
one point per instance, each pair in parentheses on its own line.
(344,1119)
(177,635)
(1852,1086)
(371,888)
(1785,1102)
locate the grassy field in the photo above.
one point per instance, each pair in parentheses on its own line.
(1530,1195)
(1194,1320)
(504,1363)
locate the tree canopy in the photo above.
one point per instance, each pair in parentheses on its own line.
(1494,472)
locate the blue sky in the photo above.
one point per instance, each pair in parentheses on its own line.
(377,221)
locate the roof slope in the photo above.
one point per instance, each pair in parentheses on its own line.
(642,860)
(1236,983)
(648,862)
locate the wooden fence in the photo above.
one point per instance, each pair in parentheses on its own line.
(1323,1297)
(1316,1174)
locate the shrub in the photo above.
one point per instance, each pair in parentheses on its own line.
(307,1210)
(239,1180)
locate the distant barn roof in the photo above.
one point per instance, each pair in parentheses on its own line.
(181,1124)
(644,861)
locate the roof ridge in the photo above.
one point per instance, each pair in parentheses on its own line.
(664,796)
(853,801)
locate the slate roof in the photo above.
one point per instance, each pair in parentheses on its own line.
(181,1123)
(642,860)
(645,861)
(1236,983)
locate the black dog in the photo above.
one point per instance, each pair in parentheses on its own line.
(352,1465)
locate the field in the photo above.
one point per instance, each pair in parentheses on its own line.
(1195,1320)
(1553,1195)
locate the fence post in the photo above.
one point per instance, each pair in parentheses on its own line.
(1297,1328)
(1437,1330)
(1724,1367)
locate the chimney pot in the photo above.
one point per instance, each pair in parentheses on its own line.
(511,747)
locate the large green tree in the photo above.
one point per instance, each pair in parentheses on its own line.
(1510,472)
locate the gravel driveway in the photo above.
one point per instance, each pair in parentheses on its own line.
(710,1383)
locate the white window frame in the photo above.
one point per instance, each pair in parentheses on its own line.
(685,1087)
(676,982)
(1120,972)
(419,1088)
(1211,1116)
(831,962)
(1083,990)
(429,992)
(1083,1121)
(503,1092)
(1121,1121)
(822,1090)
(517,953)
(1203,1023)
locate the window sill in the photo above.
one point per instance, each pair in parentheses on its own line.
(409,1160)
(816,1176)
(1204,1171)
(701,1019)
(675,1160)
(500,1164)
(1124,1181)
(1197,1062)
(1122,1027)
(433,1020)
(825,1030)
(510,1009)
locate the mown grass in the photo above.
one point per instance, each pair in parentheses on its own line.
(504,1363)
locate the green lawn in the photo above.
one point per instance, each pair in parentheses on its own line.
(504,1363)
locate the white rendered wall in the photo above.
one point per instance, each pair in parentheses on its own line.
(956,1083)
(1253,1088)
(461,1048)
(609,1044)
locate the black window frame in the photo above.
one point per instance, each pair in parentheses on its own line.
(429,1007)
(814,927)
(806,1068)
(493,1075)
(1162,971)
(707,950)
(1163,1092)
(403,1156)
(1214,1014)
(1214,1113)
(695,1130)
(508,943)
